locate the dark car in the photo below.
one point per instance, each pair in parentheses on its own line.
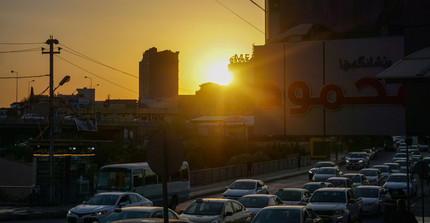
(318,165)
(313,186)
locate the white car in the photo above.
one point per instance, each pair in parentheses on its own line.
(255,202)
(287,213)
(294,196)
(397,186)
(373,175)
(104,203)
(243,187)
(210,210)
(373,199)
(338,204)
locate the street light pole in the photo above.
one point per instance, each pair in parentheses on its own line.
(28,86)
(16,97)
(91,81)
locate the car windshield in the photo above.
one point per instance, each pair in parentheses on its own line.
(326,171)
(103,199)
(366,192)
(318,165)
(243,185)
(337,182)
(369,172)
(400,155)
(354,178)
(328,196)
(355,155)
(397,178)
(289,195)
(384,169)
(312,187)
(277,215)
(254,202)
(204,208)
(115,216)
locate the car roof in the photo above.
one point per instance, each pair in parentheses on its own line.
(290,207)
(221,200)
(291,189)
(114,193)
(352,174)
(141,208)
(370,186)
(333,189)
(398,174)
(259,195)
(391,163)
(247,180)
(338,178)
(326,162)
(374,169)
(328,167)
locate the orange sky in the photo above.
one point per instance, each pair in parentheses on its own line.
(116,33)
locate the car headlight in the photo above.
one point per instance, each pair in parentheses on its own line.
(347,161)
(69,212)
(360,161)
(100,212)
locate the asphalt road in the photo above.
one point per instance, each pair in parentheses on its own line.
(297,181)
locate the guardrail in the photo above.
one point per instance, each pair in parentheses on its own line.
(206,176)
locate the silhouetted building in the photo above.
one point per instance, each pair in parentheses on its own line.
(158,75)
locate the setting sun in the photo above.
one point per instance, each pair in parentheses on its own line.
(219,74)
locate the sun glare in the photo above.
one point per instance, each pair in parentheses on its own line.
(219,74)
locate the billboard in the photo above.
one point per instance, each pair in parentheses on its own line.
(328,88)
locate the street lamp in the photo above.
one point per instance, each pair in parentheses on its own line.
(16,97)
(91,81)
(28,86)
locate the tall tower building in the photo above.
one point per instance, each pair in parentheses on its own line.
(158,75)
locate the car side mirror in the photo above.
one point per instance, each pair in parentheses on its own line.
(229,213)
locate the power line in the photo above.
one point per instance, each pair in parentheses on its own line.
(97,75)
(76,53)
(24,77)
(21,51)
(240,16)
(20,43)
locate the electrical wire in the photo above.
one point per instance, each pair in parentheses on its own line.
(21,51)
(76,53)
(24,77)
(97,75)
(243,19)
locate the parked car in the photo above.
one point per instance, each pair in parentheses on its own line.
(220,210)
(104,203)
(358,178)
(318,165)
(396,185)
(313,186)
(293,196)
(139,212)
(394,167)
(357,160)
(243,187)
(373,175)
(385,170)
(255,202)
(337,204)
(287,213)
(324,173)
(373,199)
(341,182)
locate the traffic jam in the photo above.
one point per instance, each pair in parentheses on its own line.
(365,188)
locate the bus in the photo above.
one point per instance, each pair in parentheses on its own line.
(139,178)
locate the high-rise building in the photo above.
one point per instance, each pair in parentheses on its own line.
(158,75)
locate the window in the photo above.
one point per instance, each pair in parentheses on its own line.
(138,177)
(125,199)
(237,207)
(172,216)
(134,198)
(150,177)
(157,214)
(228,208)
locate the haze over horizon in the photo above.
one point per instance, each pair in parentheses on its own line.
(97,36)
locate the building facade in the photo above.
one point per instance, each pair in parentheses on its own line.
(158,75)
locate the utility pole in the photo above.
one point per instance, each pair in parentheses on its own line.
(51,41)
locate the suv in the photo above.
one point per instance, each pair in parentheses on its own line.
(338,204)
(357,160)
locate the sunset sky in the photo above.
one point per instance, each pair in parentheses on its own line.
(115,34)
